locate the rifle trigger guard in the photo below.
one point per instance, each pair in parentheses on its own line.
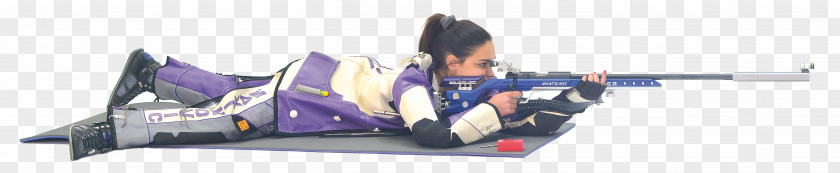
(512,86)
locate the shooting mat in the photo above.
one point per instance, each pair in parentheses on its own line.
(378,145)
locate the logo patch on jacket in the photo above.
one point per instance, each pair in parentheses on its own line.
(243,125)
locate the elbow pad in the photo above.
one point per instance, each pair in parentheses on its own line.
(434,134)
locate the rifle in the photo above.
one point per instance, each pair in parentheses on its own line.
(465,95)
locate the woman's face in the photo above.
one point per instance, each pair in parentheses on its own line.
(477,64)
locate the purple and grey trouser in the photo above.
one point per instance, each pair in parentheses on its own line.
(225,109)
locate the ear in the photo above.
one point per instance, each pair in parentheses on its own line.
(452,62)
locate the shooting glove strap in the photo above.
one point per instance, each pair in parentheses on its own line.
(587,90)
(568,108)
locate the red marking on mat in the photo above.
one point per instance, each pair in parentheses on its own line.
(510,145)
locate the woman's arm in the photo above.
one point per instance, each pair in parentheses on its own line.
(537,124)
(543,122)
(416,109)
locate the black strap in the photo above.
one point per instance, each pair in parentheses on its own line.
(524,109)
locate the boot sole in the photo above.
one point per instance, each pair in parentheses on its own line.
(120,81)
(70,140)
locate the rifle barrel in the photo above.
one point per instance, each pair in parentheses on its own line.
(737,76)
(727,76)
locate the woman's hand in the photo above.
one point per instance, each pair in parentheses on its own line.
(506,102)
(593,77)
(592,86)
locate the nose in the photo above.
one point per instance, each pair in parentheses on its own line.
(489,73)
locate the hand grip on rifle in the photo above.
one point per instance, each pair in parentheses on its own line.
(590,87)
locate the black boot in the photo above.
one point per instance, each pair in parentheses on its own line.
(137,77)
(86,140)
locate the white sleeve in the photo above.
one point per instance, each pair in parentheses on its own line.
(416,105)
(477,123)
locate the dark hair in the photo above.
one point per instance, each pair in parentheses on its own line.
(459,38)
